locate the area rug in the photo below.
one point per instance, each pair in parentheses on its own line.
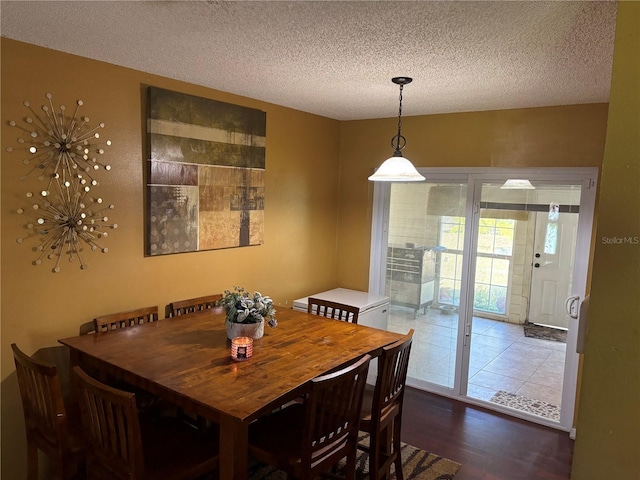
(526,404)
(545,333)
(416,465)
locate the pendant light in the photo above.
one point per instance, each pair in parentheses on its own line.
(517,184)
(397,168)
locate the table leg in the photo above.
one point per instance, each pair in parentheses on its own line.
(234,449)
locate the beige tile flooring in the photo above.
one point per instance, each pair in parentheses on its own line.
(502,358)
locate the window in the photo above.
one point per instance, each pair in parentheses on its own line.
(495,249)
(452,241)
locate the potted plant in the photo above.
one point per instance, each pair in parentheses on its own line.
(246,313)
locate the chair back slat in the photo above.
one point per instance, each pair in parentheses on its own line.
(192,305)
(333,408)
(110,419)
(335,310)
(130,318)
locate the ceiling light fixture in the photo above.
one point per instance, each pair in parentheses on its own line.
(397,168)
(517,184)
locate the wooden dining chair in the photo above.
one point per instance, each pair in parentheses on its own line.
(129,318)
(120,446)
(192,305)
(147,403)
(50,426)
(382,411)
(338,311)
(306,439)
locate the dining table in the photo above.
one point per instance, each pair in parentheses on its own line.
(187,360)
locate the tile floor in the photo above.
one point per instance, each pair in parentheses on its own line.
(502,358)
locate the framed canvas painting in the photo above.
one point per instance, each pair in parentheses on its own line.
(205,174)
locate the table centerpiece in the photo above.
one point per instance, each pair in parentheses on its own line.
(246,313)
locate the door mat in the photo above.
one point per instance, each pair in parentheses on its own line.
(416,465)
(526,404)
(532,330)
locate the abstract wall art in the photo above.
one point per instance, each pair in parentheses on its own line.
(205,174)
(63,152)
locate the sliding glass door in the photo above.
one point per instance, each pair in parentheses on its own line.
(481,273)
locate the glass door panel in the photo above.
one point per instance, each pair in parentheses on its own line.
(425,251)
(523,268)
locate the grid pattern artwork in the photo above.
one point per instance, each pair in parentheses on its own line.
(205,174)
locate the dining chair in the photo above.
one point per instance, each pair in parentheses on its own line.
(147,403)
(129,318)
(306,439)
(338,311)
(121,446)
(50,426)
(192,305)
(382,411)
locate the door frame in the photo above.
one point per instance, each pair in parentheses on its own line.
(474,177)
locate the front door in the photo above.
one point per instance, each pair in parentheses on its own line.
(552,273)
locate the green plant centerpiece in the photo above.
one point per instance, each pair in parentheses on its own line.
(246,313)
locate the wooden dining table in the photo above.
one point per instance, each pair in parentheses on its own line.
(187,360)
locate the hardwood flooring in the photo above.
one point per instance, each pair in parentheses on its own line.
(489,445)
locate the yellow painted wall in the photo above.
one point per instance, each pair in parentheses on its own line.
(608,427)
(38,307)
(317,215)
(565,136)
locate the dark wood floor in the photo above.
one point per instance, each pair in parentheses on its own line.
(489,445)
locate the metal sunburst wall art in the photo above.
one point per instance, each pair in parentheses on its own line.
(63,151)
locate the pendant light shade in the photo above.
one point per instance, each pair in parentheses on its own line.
(397,168)
(517,184)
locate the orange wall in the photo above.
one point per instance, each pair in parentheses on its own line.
(565,136)
(608,427)
(38,307)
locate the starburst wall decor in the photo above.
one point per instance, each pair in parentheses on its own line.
(63,151)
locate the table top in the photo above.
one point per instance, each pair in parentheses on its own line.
(189,358)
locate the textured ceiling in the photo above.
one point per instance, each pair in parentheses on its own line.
(337,59)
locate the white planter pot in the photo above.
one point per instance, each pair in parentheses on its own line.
(252,330)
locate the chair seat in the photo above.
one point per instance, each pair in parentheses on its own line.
(76,439)
(76,443)
(367,411)
(288,423)
(367,405)
(188,447)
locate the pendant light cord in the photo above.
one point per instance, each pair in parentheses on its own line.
(399,136)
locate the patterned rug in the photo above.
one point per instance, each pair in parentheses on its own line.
(526,404)
(416,465)
(545,333)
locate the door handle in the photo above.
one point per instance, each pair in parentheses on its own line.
(570,305)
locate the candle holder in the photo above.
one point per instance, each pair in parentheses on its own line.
(241,348)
